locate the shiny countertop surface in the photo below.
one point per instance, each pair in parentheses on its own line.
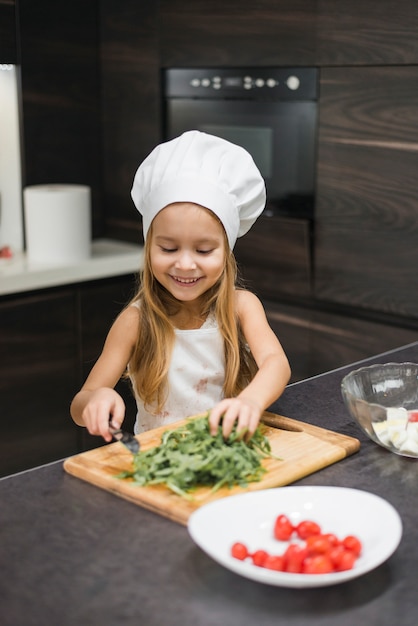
(108,258)
(74,554)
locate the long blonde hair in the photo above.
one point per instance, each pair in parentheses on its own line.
(150,361)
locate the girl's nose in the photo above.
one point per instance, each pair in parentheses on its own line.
(185,260)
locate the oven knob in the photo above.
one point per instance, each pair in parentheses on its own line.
(259,82)
(195,82)
(248,82)
(271,82)
(205,82)
(293,83)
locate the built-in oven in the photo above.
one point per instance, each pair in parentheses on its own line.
(272,112)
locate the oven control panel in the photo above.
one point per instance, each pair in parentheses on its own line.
(241,83)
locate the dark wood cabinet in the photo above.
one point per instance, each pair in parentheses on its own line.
(288,32)
(317,341)
(363,33)
(38,373)
(8,33)
(49,340)
(274,257)
(228,33)
(99,305)
(366,219)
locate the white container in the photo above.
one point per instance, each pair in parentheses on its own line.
(57,224)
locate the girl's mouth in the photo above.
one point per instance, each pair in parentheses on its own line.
(185,281)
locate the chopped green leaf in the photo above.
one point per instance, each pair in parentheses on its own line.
(189,457)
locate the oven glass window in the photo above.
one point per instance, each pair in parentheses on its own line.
(280,136)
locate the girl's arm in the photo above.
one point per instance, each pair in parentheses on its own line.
(97,401)
(269,382)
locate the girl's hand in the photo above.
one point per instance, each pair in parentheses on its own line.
(242,410)
(104,404)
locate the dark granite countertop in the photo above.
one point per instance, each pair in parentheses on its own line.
(74,554)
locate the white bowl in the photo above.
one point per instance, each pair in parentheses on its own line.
(249,518)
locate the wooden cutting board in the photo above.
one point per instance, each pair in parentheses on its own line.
(303,448)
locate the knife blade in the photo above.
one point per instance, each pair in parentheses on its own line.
(126,438)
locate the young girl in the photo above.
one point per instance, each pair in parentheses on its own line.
(190,341)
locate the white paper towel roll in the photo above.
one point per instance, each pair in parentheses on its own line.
(58,223)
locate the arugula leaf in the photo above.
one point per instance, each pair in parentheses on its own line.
(189,457)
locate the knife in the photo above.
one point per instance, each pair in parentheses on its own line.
(126,438)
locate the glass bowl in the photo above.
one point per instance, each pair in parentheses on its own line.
(383,399)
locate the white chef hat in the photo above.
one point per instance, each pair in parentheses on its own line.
(203,169)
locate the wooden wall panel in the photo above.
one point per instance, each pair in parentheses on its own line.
(317,341)
(363,32)
(131,101)
(366,251)
(8,48)
(274,257)
(282,32)
(225,32)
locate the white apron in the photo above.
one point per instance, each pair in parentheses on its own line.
(195,378)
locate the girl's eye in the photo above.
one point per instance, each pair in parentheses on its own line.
(168,249)
(204,251)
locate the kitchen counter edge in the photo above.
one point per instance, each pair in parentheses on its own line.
(108,258)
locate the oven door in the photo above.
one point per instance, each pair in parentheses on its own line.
(280,136)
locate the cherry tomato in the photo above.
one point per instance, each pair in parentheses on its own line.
(413,416)
(316,553)
(294,556)
(336,555)
(307,528)
(274,562)
(346,561)
(283,528)
(332,539)
(352,543)
(317,544)
(239,551)
(6,252)
(318,564)
(259,557)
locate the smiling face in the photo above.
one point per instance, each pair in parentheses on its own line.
(188,250)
